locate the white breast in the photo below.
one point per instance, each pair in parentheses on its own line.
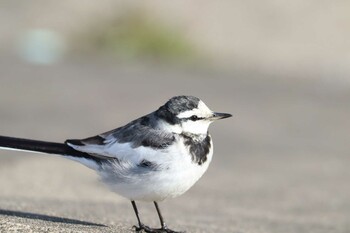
(175,175)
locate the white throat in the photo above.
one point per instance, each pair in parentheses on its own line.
(195,127)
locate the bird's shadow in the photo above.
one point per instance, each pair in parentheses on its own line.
(47,218)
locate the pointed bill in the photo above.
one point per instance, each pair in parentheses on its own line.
(219,115)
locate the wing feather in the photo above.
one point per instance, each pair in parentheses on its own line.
(111,144)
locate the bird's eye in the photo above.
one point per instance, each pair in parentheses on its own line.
(194,118)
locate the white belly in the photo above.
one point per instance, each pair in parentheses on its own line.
(177,174)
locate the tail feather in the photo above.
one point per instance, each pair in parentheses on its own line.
(44,147)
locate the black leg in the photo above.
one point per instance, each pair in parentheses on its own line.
(136,212)
(162,223)
(164,227)
(142,227)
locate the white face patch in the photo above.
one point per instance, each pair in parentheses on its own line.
(199,126)
(201,111)
(196,127)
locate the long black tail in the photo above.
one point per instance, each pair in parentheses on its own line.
(44,147)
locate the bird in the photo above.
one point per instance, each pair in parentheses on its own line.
(157,156)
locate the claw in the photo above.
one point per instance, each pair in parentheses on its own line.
(147,229)
(167,230)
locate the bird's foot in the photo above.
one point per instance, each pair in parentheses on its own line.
(143,228)
(147,229)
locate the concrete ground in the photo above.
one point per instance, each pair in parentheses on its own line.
(281,164)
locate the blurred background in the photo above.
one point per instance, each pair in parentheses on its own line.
(72,69)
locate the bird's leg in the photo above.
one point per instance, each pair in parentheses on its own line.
(164,227)
(137,215)
(141,226)
(161,219)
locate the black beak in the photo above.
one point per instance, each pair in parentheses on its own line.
(219,115)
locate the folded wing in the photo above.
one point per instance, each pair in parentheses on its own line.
(124,141)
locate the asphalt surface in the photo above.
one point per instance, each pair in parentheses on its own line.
(281,164)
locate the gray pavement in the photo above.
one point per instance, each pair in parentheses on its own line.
(280,165)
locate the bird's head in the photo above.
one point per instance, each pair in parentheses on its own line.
(187,114)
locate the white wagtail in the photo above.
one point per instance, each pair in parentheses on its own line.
(154,157)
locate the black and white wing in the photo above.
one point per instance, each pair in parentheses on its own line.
(125,142)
